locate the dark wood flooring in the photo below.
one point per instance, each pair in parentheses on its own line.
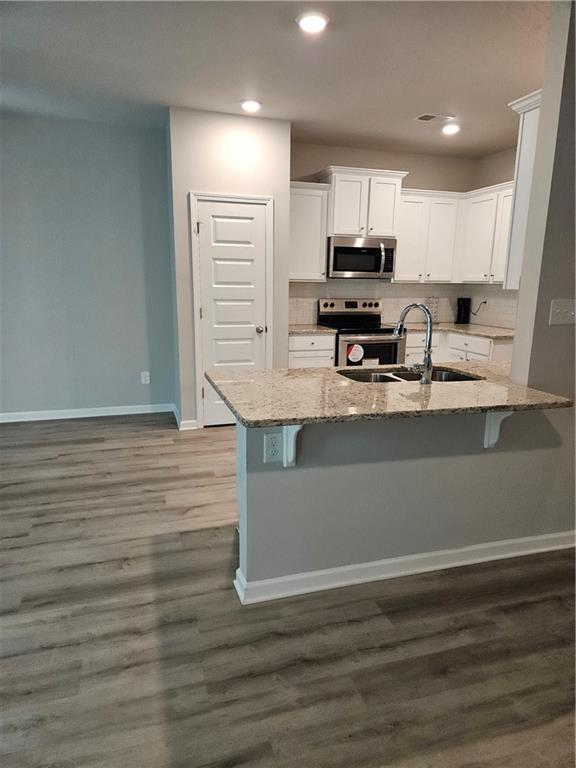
(123,644)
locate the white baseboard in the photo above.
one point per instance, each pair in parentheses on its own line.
(183,424)
(376,570)
(85,413)
(187,424)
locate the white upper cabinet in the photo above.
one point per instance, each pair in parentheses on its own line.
(364,202)
(350,204)
(411,238)
(426,232)
(485,235)
(502,235)
(478,237)
(308,231)
(383,199)
(442,228)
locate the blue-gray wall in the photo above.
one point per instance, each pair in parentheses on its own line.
(85,280)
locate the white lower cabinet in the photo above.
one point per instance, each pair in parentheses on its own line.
(311,351)
(450,347)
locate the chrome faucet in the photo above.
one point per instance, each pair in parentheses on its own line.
(425,369)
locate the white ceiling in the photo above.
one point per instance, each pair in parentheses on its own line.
(360,83)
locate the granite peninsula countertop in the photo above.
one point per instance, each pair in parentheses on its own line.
(486,331)
(268,398)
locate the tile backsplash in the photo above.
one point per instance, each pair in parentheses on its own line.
(499,310)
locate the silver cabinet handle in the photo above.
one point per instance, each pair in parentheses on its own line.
(371,228)
(259,329)
(361,229)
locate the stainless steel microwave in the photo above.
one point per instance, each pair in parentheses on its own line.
(361,257)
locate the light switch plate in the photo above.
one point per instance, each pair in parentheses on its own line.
(562,312)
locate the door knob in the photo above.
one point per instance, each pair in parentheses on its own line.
(259,329)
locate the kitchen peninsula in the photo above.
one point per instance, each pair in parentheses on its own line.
(342,481)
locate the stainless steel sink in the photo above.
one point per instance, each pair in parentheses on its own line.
(438,374)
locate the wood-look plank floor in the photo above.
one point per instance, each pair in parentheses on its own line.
(124,646)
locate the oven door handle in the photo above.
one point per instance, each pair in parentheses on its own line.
(382,257)
(382,338)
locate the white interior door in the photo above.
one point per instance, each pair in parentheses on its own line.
(232,261)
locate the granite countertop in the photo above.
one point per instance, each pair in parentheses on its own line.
(269,398)
(304,330)
(487,331)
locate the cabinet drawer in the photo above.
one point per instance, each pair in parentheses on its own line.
(475,357)
(311,343)
(416,341)
(470,343)
(310,359)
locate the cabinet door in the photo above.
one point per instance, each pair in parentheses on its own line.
(479,225)
(382,206)
(502,236)
(308,211)
(411,238)
(350,204)
(443,219)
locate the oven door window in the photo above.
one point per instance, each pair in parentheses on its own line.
(370,353)
(348,259)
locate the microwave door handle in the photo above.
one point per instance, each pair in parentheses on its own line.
(382,258)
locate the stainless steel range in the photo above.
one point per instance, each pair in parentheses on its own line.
(361,338)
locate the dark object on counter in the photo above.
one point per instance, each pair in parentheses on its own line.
(463,314)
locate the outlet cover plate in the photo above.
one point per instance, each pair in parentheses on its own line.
(273,447)
(562,312)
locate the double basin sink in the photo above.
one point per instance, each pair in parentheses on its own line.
(403,374)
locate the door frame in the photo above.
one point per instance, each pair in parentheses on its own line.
(194,198)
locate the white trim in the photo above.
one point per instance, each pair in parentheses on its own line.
(194,198)
(347,575)
(187,424)
(86,413)
(434,193)
(526,103)
(331,169)
(184,424)
(320,186)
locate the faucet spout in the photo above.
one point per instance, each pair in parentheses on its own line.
(426,368)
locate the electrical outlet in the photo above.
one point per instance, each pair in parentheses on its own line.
(272,447)
(144,377)
(562,312)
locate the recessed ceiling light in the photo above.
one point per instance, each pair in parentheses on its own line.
(312,22)
(450,129)
(250,105)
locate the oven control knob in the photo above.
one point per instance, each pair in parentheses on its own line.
(325,304)
(376,304)
(370,304)
(364,304)
(331,305)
